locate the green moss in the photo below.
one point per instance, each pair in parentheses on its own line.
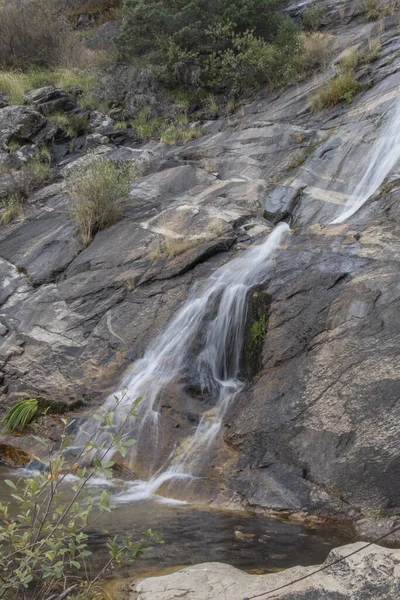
(258,331)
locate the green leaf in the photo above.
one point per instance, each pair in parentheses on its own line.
(10,484)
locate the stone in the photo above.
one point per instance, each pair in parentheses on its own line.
(51,99)
(372,573)
(100,122)
(19,123)
(95,139)
(280,203)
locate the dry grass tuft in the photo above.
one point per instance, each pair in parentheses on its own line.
(98,194)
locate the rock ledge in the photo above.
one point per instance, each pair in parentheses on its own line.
(371,574)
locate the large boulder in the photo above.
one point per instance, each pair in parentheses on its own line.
(19,123)
(371,574)
(51,99)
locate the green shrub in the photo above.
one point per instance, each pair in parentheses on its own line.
(44,534)
(97,196)
(313,16)
(339,89)
(216,46)
(20,415)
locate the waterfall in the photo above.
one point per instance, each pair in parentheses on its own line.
(216,314)
(384,155)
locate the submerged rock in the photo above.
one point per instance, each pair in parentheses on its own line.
(371,574)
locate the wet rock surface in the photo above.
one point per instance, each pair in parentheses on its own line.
(315,429)
(371,574)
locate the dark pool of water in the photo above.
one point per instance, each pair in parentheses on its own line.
(195,535)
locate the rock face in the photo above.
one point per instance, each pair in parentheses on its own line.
(51,99)
(315,429)
(19,123)
(372,574)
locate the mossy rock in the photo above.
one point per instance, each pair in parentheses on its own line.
(255,332)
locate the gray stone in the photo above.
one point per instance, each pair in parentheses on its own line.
(95,139)
(51,99)
(371,574)
(20,123)
(100,122)
(281,202)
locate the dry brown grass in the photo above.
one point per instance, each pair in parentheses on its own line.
(317,50)
(169,246)
(97,194)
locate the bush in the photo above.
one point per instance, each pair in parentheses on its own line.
(44,540)
(313,16)
(339,89)
(97,196)
(316,51)
(217,46)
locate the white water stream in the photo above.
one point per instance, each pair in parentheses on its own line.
(216,314)
(384,155)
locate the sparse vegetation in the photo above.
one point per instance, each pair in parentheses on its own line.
(13,209)
(258,330)
(20,415)
(16,83)
(98,193)
(169,131)
(22,183)
(316,52)
(313,16)
(342,88)
(378,9)
(74,124)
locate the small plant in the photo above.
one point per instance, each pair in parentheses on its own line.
(350,61)
(13,208)
(372,9)
(121,125)
(74,124)
(21,184)
(372,52)
(44,154)
(339,89)
(258,331)
(97,196)
(313,16)
(20,415)
(316,51)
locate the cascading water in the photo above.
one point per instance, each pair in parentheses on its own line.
(385,154)
(216,314)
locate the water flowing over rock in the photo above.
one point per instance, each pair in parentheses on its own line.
(311,359)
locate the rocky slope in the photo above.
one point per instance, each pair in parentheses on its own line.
(315,429)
